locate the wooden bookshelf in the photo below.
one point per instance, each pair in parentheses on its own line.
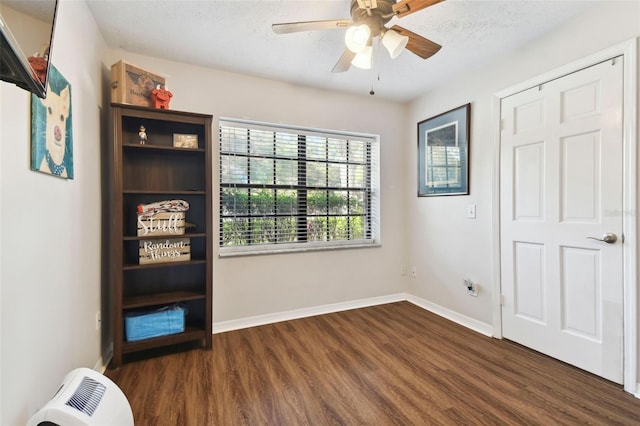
(142,174)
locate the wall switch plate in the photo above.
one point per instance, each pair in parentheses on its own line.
(414,272)
(403,270)
(471,211)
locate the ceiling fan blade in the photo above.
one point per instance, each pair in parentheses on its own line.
(418,44)
(294,27)
(407,7)
(344,62)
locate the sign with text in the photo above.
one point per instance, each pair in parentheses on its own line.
(161,224)
(162,251)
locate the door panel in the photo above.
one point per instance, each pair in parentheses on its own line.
(561,182)
(529,182)
(581,289)
(580,178)
(529,281)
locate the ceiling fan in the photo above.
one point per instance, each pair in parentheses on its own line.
(368,20)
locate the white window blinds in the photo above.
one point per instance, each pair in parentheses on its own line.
(284,188)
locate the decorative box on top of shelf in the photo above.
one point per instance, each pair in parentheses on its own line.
(133,85)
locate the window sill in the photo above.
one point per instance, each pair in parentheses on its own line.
(266,250)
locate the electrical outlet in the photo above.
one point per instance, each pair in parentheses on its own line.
(472,288)
(98,320)
(414,272)
(403,270)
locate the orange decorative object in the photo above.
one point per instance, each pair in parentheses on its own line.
(161,97)
(39,66)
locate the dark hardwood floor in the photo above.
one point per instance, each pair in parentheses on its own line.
(394,364)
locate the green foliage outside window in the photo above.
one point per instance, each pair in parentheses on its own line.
(269,216)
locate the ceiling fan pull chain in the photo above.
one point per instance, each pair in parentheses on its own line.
(373,79)
(376,68)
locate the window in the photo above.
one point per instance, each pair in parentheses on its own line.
(287,189)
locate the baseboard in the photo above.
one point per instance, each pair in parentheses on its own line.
(102,363)
(224,326)
(465,321)
(100,366)
(473,324)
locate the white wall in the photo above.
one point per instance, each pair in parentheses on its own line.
(50,238)
(445,246)
(50,228)
(256,285)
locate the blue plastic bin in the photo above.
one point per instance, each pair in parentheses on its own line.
(160,322)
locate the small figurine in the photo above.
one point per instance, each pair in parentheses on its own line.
(161,97)
(142,134)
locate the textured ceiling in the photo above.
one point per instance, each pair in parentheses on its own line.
(236,36)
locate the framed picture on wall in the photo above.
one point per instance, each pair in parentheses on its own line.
(51,128)
(443,153)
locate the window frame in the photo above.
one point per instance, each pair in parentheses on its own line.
(371,188)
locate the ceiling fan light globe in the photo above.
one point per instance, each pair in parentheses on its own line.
(394,43)
(357,37)
(363,59)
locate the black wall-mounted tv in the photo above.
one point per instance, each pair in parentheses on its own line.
(26,38)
